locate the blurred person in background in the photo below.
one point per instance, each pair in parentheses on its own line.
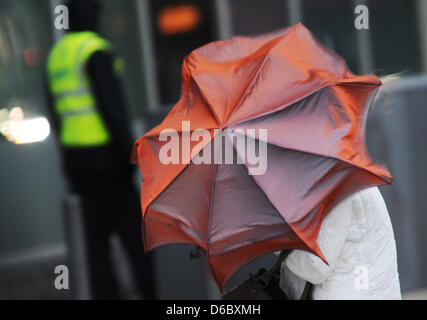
(89,115)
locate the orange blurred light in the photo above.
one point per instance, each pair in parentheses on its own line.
(33,56)
(178,19)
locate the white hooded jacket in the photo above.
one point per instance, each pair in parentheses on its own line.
(357,240)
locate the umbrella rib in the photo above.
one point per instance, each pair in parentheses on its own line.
(282,106)
(178,130)
(211,205)
(320,155)
(271,45)
(211,110)
(210,222)
(179,228)
(289,224)
(193,83)
(178,174)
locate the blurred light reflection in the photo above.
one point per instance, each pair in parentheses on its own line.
(19,130)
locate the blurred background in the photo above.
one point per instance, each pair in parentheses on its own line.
(146,35)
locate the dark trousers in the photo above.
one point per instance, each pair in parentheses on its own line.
(111,205)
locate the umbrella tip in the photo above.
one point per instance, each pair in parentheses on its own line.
(320,254)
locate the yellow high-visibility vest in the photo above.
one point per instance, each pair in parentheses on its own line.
(81,125)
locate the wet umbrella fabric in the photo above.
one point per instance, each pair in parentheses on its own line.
(314,111)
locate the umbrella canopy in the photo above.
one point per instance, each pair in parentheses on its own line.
(284,91)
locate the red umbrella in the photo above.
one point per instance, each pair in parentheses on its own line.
(306,113)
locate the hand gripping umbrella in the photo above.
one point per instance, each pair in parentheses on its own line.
(314,112)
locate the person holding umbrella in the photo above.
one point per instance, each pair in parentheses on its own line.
(357,240)
(318,180)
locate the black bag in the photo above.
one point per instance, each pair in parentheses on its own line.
(264,285)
